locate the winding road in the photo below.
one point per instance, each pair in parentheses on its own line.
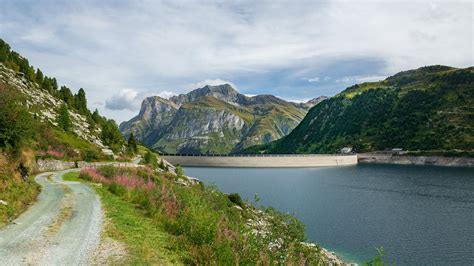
(62,228)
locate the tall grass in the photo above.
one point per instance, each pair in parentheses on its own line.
(16,192)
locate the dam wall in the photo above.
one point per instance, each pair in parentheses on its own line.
(277,160)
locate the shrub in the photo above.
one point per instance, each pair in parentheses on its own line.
(162,164)
(179,171)
(16,124)
(150,159)
(90,155)
(236,199)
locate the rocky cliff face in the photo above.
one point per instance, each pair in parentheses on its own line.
(213,119)
(223,92)
(217,131)
(155,113)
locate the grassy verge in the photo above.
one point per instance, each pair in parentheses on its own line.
(72,176)
(146,241)
(16,194)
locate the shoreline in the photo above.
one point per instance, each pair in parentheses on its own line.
(415,160)
(334,259)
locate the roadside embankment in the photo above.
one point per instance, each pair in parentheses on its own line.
(57,165)
(279,160)
(416,160)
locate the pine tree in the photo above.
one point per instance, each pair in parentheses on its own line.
(46,85)
(80,101)
(132,143)
(54,84)
(63,119)
(39,76)
(66,95)
(111,135)
(96,116)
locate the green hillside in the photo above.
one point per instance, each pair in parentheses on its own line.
(427,109)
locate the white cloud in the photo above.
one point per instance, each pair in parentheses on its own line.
(315,79)
(360,79)
(108,47)
(210,82)
(295,100)
(125,99)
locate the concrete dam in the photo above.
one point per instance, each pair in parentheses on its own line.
(267,160)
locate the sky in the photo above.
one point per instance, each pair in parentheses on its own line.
(123,51)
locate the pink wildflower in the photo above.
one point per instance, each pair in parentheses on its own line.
(55,153)
(150,185)
(95,175)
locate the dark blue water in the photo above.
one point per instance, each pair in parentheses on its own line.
(419,214)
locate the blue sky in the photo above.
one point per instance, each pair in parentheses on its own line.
(123,51)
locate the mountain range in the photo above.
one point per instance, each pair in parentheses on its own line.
(213,120)
(426,109)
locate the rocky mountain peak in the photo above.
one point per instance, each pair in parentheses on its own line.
(316,100)
(155,103)
(224,92)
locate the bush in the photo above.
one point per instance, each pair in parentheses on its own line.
(179,171)
(90,155)
(16,124)
(236,199)
(162,165)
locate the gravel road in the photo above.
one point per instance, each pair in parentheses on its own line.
(62,228)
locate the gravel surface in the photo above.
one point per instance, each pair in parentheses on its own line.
(62,228)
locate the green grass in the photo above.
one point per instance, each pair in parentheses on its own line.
(73,141)
(146,241)
(72,176)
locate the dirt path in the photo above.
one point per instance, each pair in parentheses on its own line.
(62,228)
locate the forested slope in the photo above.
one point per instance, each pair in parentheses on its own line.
(427,109)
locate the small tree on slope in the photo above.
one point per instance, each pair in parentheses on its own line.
(63,119)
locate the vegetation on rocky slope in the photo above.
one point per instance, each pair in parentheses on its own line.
(55,105)
(427,109)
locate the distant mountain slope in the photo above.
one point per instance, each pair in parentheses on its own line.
(213,119)
(430,108)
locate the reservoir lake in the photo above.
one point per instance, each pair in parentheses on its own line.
(419,214)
